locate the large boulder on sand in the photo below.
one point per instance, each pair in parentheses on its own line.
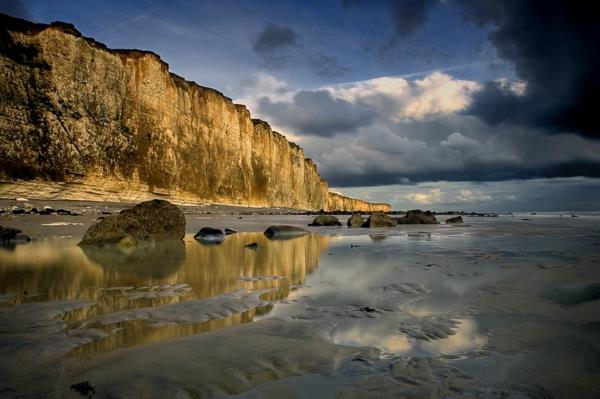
(155,220)
(326,220)
(284,232)
(454,220)
(417,216)
(356,220)
(380,219)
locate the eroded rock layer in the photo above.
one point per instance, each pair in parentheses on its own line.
(81,121)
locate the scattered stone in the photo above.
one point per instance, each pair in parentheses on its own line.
(283,232)
(325,220)
(229,231)
(17,210)
(148,221)
(417,216)
(208,235)
(10,237)
(356,220)
(380,219)
(456,219)
(252,245)
(84,388)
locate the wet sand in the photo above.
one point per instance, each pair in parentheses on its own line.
(497,307)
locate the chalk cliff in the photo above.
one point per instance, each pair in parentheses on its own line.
(81,121)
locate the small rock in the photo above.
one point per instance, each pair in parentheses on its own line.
(17,210)
(84,388)
(356,220)
(380,219)
(325,220)
(282,232)
(10,237)
(208,235)
(229,231)
(252,245)
(456,219)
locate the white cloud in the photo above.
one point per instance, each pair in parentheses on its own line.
(433,196)
(472,196)
(407,100)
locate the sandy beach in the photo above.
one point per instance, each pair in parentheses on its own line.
(495,307)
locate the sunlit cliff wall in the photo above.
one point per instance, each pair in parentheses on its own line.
(80,121)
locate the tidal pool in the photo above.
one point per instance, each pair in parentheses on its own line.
(495,308)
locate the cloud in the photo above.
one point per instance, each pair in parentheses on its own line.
(327,66)
(274,37)
(553,46)
(279,46)
(406,15)
(272,43)
(434,196)
(405,100)
(394,130)
(557,194)
(317,113)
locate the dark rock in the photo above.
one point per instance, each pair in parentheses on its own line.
(10,237)
(64,212)
(84,388)
(16,210)
(252,245)
(380,219)
(208,235)
(284,232)
(229,231)
(401,220)
(356,220)
(417,216)
(456,219)
(325,220)
(148,221)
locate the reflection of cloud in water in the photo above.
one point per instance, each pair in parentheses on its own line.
(380,334)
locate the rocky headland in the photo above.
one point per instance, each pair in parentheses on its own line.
(84,122)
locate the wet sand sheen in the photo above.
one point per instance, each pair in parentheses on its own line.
(428,311)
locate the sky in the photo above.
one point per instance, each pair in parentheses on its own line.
(479,105)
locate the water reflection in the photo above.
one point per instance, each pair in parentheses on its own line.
(161,275)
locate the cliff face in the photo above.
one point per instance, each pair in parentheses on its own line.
(79,121)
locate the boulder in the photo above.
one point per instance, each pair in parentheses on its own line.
(229,231)
(356,220)
(208,235)
(284,232)
(401,220)
(325,220)
(417,216)
(380,219)
(117,229)
(163,220)
(155,220)
(456,219)
(253,246)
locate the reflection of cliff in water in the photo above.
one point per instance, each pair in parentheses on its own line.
(160,260)
(163,274)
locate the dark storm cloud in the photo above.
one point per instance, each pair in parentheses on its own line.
(554,47)
(406,15)
(15,8)
(327,66)
(274,37)
(273,43)
(318,113)
(277,45)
